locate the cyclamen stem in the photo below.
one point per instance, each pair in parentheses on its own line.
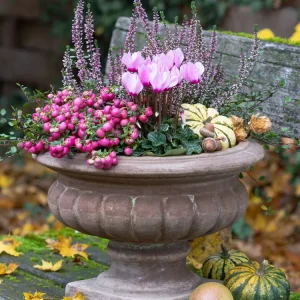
(170,96)
(160,110)
(165,104)
(154,105)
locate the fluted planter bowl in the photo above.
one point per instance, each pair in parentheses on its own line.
(149,207)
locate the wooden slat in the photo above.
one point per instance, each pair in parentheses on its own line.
(28,279)
(27,9)
(28,67)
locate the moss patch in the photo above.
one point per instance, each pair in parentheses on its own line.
(277,40)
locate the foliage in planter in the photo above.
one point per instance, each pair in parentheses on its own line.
(168,142)
(129,110)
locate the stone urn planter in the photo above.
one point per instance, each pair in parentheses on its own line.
(149,207)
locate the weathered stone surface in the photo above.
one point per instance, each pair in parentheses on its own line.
(276,61)
(149,220)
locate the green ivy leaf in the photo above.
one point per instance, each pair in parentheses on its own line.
(157,138)
(193,147)
(2,112)
(164,127)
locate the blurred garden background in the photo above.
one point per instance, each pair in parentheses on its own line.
(33,36)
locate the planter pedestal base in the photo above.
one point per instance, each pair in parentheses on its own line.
(142,271)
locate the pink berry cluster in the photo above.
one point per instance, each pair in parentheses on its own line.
(99,125)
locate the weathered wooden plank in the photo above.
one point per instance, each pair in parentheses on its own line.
(276,61)
(27,9)
(28,67)
(34,35)
(13,286)
(29,279)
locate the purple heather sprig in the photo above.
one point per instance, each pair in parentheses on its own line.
(89,33)
(77,39)
(67,72)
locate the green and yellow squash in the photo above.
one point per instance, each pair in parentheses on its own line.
(254,281)
(217,266)
(197,115)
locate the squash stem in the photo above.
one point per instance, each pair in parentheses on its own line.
(224,253)
(262,267)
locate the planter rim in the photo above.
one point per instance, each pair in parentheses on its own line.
(233,160)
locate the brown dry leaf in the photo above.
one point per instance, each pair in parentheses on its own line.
(78,296)
(254,251)
(49,266)
(35,296)
(9,245)
(208,245)
(66,249)
(260,124)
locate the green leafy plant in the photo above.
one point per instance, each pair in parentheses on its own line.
(170,142)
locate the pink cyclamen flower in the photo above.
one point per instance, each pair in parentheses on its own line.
(160,81)
(178,57)
(166,60)
(176,77)
(192,72)
(144,75)
(132,83)
(133,61)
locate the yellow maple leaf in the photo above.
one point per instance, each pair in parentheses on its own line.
(66,249)
(6,270)
(29,228)
(78,296)
(35,296)
(1,280)
(9,245)
(265,34)
(49,266)
(5,181)
(295,37)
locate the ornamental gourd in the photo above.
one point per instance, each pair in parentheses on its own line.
(197,115)
(217,266)
(251,281)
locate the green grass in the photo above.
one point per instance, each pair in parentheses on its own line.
(277,40)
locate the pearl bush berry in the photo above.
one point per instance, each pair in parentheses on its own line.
(99,125)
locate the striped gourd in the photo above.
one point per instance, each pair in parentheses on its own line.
(197,115)
(217,266)
(253,281)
